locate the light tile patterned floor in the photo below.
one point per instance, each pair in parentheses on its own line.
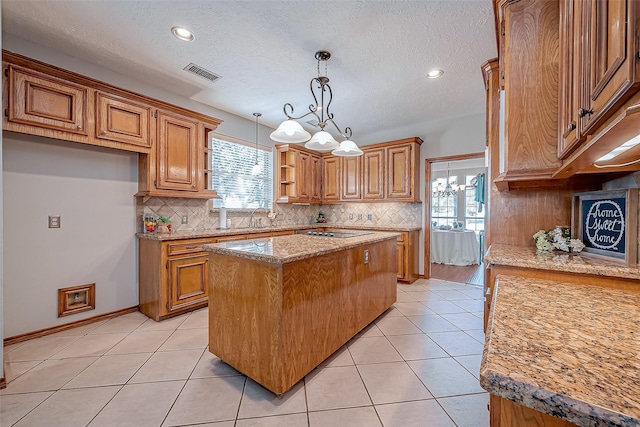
(416,365)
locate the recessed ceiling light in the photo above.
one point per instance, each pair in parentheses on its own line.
(434,74)
(182,33)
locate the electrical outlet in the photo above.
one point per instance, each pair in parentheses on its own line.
(54,221)
(350,216)
(366,256)
(359,217)
(369,217)
(185,219)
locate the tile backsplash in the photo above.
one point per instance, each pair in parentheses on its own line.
(201,217)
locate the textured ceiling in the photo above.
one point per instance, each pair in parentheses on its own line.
(264,51)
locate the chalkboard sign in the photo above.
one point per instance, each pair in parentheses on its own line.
(606,222)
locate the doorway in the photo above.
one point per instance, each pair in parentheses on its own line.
(455,218)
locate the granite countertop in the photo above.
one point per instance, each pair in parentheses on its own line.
(285,249)
(193,234)
(585,263)
(568,350)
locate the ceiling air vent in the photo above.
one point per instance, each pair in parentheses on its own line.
(199,71)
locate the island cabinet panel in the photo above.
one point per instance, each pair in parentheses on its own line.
(48,102)
(373,168)
(177,153)
(277,322)
(121,120)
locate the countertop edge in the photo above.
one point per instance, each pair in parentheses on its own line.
(216,249)
(552,403)
(201,234)
(610,267)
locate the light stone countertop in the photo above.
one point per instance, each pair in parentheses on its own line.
(568,350)
(585,263)
(285,249)
(193,234)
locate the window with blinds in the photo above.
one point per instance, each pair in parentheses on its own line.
(233,175)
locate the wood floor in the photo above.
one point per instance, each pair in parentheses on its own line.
(470,274)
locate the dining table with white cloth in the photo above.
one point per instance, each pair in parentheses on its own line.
(454,247)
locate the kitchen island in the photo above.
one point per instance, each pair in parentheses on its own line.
(279,306)
(562,354)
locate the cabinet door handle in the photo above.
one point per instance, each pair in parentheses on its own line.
(571,127)
(191,246)
(583,112)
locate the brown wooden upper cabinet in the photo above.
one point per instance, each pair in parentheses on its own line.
(315,171)
(529,66)
(121,120)
(599,65)
(299,174)
(44,100)
(351,178)
(177,152)
(373,167)
(402,171)
(47,102)
(330,178)
(387,171)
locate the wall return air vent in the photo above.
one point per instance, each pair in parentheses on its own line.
(201,72)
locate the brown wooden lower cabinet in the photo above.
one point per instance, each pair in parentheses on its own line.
(173,274)
(407,256)
(505,413)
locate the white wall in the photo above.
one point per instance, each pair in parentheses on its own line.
(92,189)
(462,135)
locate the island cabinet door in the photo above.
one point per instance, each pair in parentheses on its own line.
(187,281)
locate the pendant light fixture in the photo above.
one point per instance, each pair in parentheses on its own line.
(291,131)
(448,189)
(256,167)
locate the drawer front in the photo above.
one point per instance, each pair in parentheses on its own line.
(187,246)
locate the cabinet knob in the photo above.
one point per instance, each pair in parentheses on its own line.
(79,127)
(583,112)
(104,132)
(571,127)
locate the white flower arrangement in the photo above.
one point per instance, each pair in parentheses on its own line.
(557,238)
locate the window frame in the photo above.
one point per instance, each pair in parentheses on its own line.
(267,175)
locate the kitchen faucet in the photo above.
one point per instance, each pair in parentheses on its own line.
(258,221)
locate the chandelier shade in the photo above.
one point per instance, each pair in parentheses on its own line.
(322,141)
(347,148)
(290,131)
